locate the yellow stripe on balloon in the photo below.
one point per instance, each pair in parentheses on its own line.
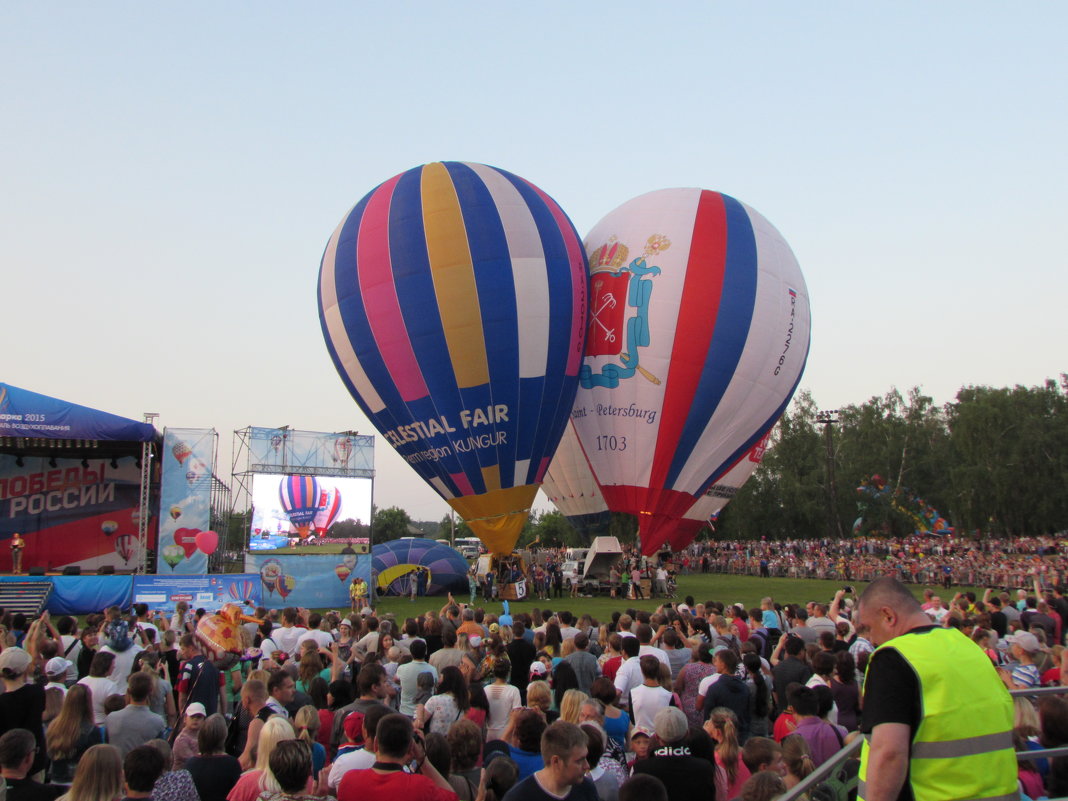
(497,518)
(454,277)
(492,476)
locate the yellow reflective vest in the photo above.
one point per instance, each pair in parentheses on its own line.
(962,748)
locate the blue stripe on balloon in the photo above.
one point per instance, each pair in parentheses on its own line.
(422,318)
(493,267)
(722,469)
(730,334)
(557,389)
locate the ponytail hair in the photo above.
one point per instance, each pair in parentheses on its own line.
(306,723)
(753,667)
(796,755)
(726,723)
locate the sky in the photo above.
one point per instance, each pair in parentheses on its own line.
(171,173)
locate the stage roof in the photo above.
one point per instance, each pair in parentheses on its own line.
(34,423)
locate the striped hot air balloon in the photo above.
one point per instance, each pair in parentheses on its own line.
(452,299)
(329,509)
(698,335)
(299,496)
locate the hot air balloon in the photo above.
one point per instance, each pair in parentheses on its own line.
(342,450)
(348,560)
(286,584)
(328,511)
(276,442)
(173,554)
(711,503)
(570,485)
(343,572)
(452,301)
(126,546)
(109,527)
(197,470)
(176,512)
(697,338)
(300,501)
(393,562)
(270,572)
(181,452)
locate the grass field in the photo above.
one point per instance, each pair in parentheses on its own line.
(747,590)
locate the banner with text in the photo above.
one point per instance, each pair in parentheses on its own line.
(185,536)
(70,512)
(162,593)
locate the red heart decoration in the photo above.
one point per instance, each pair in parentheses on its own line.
(187,538)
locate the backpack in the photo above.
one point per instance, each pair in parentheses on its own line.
(841,785)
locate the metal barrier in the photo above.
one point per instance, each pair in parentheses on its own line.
(852,749)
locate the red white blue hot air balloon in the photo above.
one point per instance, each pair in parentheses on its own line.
(329,509)
(299,496)
(698,334)
(452,299)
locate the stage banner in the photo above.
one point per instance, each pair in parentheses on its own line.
(185,538)
(201,592)
(80,595)
(70,512)
(311,453)
(313,581)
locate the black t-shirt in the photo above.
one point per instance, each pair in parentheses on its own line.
(684,775)
(29,790)
(24,709)
(999,623)
(521,654)
(530,790)
(892,695)
(214,776)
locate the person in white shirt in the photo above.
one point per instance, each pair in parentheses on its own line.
(629,674)
(645,637)
(503,698)
(649,697)
(100,686)
(317,632)
(288,636)
(56,671)
(360,758)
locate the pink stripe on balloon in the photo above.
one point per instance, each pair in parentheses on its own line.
(579,280)
(375,274)
(540,475)
(462,483)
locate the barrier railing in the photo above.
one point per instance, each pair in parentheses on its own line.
(825,771)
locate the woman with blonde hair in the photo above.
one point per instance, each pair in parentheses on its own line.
(306,723)
(722,727)
(540,697)
(99,776)
(797,758)
(260,779)
(571,706)
(71,734)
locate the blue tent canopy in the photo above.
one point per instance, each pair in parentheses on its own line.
(31,415)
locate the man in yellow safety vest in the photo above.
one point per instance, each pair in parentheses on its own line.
(937,719)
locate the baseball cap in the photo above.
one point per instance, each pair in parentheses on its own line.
(538,669)
(640,731)
(57,665)
(15,660)
(196,708)
(671,724)
(1025,639)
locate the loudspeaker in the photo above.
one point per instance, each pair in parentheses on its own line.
(72,570)
(37,570)
(106,570)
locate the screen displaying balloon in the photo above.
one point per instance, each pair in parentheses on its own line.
(339,499)
(452,300)
(697,337)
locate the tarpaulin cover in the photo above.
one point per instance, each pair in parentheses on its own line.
(80,595)
(29,414)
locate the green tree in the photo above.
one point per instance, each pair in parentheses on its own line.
(390,524)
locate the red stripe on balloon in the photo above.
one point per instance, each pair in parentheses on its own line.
(696,322)
(379,294)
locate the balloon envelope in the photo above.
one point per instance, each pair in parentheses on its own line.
(328,511)
(300,499)
(570,485)
(393,561)
(452,300)
(697,338)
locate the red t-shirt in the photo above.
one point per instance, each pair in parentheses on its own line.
(360,785)
(611,667)
(785,725)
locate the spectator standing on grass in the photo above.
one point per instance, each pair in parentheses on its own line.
(564,777)
(214,771)
(71,734)
(672,762)
(135,724)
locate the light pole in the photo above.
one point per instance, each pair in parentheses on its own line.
(828,419)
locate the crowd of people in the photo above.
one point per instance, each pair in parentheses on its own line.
(700,700)
(917,559)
